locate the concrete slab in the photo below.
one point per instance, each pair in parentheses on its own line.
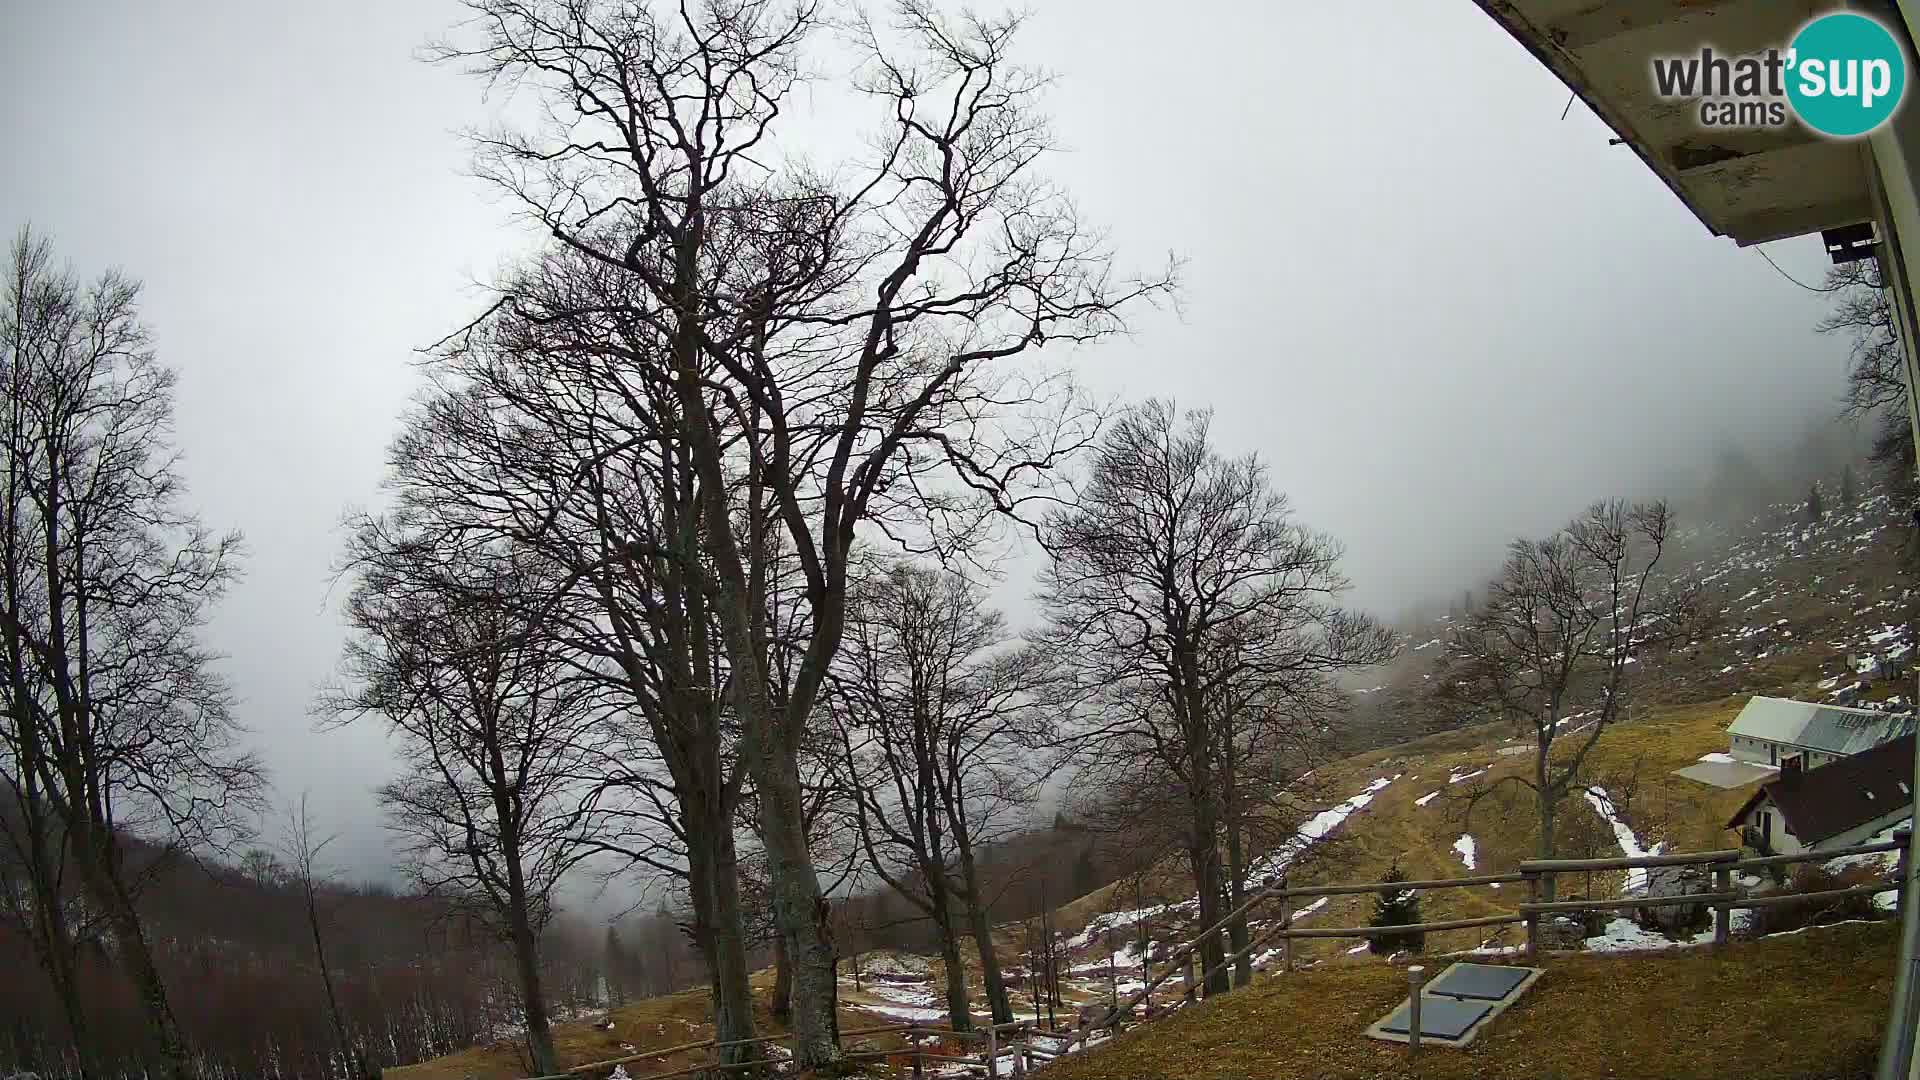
(1727,774)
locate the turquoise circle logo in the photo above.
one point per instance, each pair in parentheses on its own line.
(1848,74)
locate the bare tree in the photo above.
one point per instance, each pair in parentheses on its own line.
(1876,383)
(1553,644)
(534,440)
(301,850)
(494,732)
(1273,710)
(117,725)
(1170,559)
(837,341)
(940,723)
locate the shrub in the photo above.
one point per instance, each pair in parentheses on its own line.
(1396,907)
(1811,879)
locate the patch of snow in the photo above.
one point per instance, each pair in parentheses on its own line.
(1362,947)
(1465,847)
(1718,758)
(1114,920)
(1625,935)
(900,1012)
(1316,829)
(1629,843)
(1455,778)
(1427,798)
(888,963)
(901,994)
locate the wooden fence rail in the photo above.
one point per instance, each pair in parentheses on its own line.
(1535,873)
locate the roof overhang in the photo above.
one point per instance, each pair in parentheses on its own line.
(1751,185)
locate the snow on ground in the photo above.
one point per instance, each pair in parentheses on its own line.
(1718,758)
(889,963)
(901,1012)
(1629,843)
(1316,829)
(1115,920)
(1427,798)
(1625,935)
(1465,847)
(1125,957)
(1456,778)
(901,994)
(1362,947)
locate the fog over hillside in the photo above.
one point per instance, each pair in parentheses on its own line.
(1443,320)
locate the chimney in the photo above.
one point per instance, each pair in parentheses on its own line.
(1790,765)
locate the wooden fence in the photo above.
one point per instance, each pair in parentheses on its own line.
(1019,1037)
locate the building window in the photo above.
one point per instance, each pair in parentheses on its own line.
(1766,827)
(1773,755)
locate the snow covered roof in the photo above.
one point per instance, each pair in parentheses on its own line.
(1829,729)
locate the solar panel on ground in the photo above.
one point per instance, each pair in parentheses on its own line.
(1486,982)
(1440,1018)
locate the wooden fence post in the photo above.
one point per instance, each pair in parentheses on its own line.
(919,1053)
(1286,924)
(993,1049)
(1722,911)
(1533,917)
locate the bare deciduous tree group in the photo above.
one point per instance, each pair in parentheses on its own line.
(678,575)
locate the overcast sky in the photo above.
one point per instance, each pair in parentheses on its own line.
(1444,315)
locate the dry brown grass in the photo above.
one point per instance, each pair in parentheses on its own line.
(1805,1007)
(655,1023)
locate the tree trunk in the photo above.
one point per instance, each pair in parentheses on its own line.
(782,1004)
(53,938)
(533,1002)
(351,1056)
(714,889)
(1546,801)
(1203,842)
(799,910)
(996,983)
(959,1008)
(1204,857)
(170,1061)
(1237,936)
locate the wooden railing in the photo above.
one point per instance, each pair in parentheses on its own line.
(1018,1037)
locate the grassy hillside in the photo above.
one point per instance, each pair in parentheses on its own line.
(1804,1007)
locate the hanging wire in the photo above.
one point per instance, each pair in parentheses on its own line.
(1789,277)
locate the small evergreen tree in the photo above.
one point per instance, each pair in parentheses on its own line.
(1396,907)
(1815,511)
(1848,496)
